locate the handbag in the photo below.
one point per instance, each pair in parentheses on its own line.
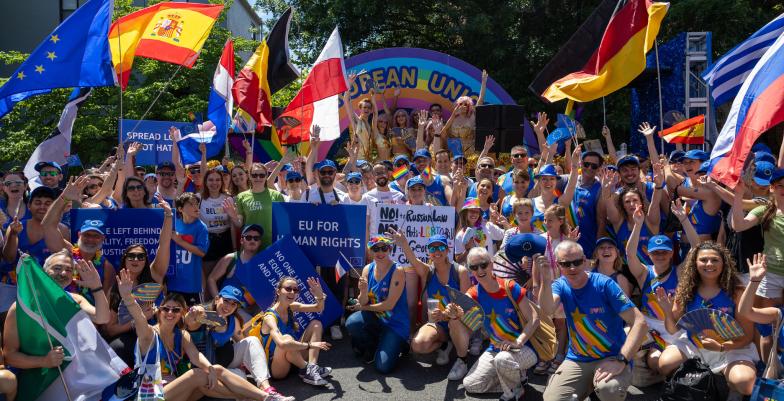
(143,383)
(768,387)
(543,340)
(694,381)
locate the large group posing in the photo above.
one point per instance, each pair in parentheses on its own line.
(610,250)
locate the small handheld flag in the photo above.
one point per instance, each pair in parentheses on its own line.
(691,131)
(426,173)
(400,172)
(342,266)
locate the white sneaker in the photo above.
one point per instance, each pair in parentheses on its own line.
(516,394)
(475,347)
(335,332)
(458,371)
(443,355)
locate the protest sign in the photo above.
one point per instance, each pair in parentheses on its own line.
(123,228)
(154,138)
(417,223)
(323,231)
(283,258)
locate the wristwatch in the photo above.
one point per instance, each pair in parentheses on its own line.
(620,358)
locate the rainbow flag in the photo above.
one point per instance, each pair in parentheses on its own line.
(691,131)
(400,172)
(426,173)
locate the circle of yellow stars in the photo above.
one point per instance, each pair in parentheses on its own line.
(51,55)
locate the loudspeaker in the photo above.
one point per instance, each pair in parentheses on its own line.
(504,121)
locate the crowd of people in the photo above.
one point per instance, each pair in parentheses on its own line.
(609,251)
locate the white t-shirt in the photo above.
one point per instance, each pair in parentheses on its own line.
(212,214)
(391,196)
(313,195)
(491,233)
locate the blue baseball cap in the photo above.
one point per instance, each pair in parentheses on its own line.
(293,175)
(436,239)
(354,176)
(150,175)
(326,163)
(527,244)
(777,175)
(696,154)
(233,293)
(422,153)
(705,167)
(628,159)
(401,157)
(548,170)
(361,163)
(763,171)
(253,227)
(92,225)
(764,156)
(164,164)
(676,156)
(415,181)
(287,167)
(606,239)
(659,243)
(40,166)
(761,147)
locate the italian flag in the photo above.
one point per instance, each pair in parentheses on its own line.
(89,366)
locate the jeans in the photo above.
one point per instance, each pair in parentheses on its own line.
(368,334)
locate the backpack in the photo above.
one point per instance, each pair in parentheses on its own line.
(543,341)
(694,380)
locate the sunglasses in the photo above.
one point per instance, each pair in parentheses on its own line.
(13,182)
(478,266)
(326,172)
(194,171)
(294,180)
(171,309)
(355,182)
(439,248)
(590,165)
(252,237)
(48,173)
(487,166)
(380,248)
(258,175)
(166,174)
(292,290)
(135,256)
(519,155)
(566,264)
(135,187)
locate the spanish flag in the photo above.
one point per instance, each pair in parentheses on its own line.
(170,32)
(605,54)
(690,132)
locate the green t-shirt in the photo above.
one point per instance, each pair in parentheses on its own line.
(256,208)
(774,240)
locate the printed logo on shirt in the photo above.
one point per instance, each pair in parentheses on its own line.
(255,206)
(589,337)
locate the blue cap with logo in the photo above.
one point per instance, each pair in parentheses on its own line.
(415,181)
(293,175)
(92,225)
(287,167)
(696,154)
(763,171)
(354,176)
(253,227)
(326,163)
(659,243)
(761,147)
(705,167)
(40,166)
(527,244)
(437,239)
(422,153)
(233,293)
(548,170)
(628,159)
(764,157)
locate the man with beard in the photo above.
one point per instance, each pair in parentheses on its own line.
(381,193)
(224,271)
(484,170)
(165,172)
(324,191)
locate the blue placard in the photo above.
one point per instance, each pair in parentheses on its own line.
(123,228)
(323,231)
(283,258)
(154,136)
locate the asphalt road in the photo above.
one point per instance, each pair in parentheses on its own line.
(416,378)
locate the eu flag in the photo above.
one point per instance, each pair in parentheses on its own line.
(75,54)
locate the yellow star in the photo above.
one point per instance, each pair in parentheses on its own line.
(55,39)
(39,69)
(51,55)
(21,75)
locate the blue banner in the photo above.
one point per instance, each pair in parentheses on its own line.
(123,228)
(283,258)
(323,232)
(154,137)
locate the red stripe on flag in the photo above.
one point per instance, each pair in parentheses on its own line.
(700,119)
(300,133)
(325,80)
(630,19)
(252,99)
(160,51)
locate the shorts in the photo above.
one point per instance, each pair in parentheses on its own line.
(658,325)
(220,245)
(771,286)
(717,361)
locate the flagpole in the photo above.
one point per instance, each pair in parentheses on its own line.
(45,326)
(604,113)
(166,85)
(120,86)
(658,82)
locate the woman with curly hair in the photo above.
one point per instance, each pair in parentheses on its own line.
(708,280)
(462,122)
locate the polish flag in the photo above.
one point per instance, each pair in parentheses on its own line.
(317,102)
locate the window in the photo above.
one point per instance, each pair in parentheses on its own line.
(67,7)
(254,32)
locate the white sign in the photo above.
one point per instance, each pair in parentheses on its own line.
(417,224)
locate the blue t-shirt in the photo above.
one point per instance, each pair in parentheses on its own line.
(582,214)
(186,276)
(506,181)
(593,317)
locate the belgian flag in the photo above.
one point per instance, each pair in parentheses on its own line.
(605,54)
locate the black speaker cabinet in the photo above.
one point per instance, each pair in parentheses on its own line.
(503,121)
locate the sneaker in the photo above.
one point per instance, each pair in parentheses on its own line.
(335,332)
(369,357)
(443,355)
(516,394)
(324,371)
(274,395)
(458,371)
(475,348)
(541,368)
(311,376)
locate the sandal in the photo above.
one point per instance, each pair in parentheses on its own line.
(541,368)
(555,363)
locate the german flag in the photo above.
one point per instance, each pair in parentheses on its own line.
(690,132)
(169,32)
(605,54)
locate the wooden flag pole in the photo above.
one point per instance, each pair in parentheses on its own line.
(658,82)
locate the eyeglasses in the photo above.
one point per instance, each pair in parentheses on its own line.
(519,155)
(13,182)
(136,256)
(487,166)
(256,238)
(48,173)
(590,165)
(294,180)
(478,266)
(380,248)
(194,171)
(439,248)
(569,263)
(258,175)
(171,309)
(292,290)
(135,187)
(327,172)
(166,174)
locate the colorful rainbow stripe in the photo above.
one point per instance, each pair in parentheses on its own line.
(652,307)
(427,173)
(373,299)
(502,329)
(588,338)
(400,172)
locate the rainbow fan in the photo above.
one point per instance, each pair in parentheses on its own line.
(711,323)
(147,292)
(473,314)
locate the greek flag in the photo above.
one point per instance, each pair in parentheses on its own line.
(727,75)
